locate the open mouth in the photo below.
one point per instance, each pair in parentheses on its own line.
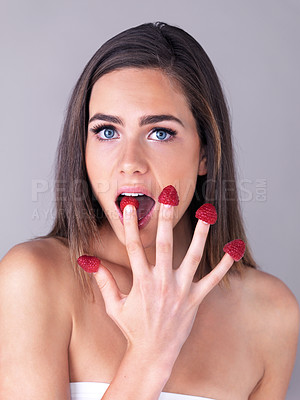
(146,203)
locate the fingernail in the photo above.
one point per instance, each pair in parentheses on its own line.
(169,196)
(207,213)
(166,210)
(128,211)
(89,263)
(236,249)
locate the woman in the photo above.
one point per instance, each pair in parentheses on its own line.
(147,126)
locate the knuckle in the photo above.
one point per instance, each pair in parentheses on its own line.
(164,247)
(164,288)
(195,259)
(102,284)
(195,299)
(110,310)
(132,246)
(202,235)
(215,277)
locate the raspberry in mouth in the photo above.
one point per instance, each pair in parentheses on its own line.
(132,200)
(145,203)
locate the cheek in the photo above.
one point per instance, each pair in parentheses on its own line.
(183,165)
(181,171)
(97,171)
(187,172)
(96,162)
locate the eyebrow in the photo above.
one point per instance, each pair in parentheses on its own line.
(145,120)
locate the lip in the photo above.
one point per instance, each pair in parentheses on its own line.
(133,189)
(136,189)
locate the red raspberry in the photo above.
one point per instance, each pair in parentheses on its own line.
(235,248)
(89,263)
(207,213)
(129,200)
(169,196)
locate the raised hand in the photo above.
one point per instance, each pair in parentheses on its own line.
(162,300)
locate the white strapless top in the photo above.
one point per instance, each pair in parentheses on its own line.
(94,391)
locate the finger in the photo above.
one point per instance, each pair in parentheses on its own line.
(206,284)
(134,246)
(164,238)
(194,254)
(109,289)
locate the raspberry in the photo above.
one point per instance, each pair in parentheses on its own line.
(169,196)
(207,213)
(129,200)
(89,263)
(235,248)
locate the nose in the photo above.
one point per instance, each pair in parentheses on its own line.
(133,160)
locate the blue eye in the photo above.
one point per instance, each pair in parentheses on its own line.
(104,132)
(163,135)
(108,132)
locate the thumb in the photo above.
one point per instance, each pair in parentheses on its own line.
(109,289)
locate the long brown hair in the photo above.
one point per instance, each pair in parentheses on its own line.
(181,57)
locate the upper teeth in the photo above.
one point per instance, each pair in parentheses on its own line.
(132,194)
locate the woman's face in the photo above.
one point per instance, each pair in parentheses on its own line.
(142,137)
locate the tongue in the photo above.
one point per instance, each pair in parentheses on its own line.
(145,205)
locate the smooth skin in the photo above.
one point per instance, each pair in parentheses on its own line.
(150,327)
(164,301)
(135,157)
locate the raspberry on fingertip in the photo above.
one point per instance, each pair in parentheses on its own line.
(90,264)
(236,249)
(129,200)
(207,213)
(169,196)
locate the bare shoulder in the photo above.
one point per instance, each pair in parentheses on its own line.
(38,272)
(271,305)
(36,283)
(273,317)
(37,253)
(271,295)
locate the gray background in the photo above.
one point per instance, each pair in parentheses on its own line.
(254,46)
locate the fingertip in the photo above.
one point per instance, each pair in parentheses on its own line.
(227,258)
(203,226)
(102,275)
(129,211)
(166,211)
(203,222)
(99,271)
(227,262)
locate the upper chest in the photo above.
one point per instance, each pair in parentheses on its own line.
(219,358)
